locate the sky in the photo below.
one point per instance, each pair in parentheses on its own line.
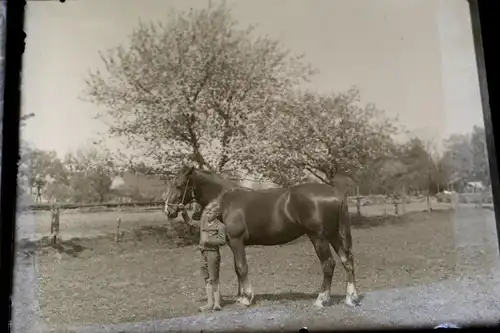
(413,58)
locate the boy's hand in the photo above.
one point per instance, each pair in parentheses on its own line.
(181,206)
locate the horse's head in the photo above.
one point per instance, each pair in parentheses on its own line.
(180,191)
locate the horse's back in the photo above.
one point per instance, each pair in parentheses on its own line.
(316,190)
(250,196)
(306,192)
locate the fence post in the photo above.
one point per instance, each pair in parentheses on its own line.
(403,207)
(117,235)
(358,201)
(385,205)
(395,201)
(54,224)
(429,208)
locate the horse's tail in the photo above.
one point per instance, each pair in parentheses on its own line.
(344,225)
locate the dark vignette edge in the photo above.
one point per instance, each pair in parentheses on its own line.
(13,49)
(482,12)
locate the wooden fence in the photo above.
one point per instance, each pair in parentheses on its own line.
(398,204)
(47,207)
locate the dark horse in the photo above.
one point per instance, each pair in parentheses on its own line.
(273,217)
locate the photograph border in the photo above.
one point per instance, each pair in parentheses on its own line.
(482,19)
(13,51)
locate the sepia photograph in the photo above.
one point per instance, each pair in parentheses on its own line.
(190,165)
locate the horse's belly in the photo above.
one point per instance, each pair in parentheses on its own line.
(272,235)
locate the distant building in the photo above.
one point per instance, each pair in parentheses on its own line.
(474,187)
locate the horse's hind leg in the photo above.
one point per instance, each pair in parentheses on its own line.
(322,248)
(344,252)
(240,263)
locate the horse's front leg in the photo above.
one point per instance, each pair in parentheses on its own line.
(239,294)
(241,268)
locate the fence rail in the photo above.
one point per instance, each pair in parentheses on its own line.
(366,199)
(47,207)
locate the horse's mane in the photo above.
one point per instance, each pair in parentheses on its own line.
(225,183)
(216,178)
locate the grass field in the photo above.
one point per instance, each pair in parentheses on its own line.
(96,281)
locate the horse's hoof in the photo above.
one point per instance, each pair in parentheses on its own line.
(205,308)
(245,301)
(319,304)
(350,301)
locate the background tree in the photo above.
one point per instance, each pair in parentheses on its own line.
(480,170)
(466,157)
(459,158)
(38,166)
(91,171)
(324,135)
(424,167)
(184,91)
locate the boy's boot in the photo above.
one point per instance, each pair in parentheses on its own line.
(210,298)
(217,306)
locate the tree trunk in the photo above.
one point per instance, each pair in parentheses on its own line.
(226,136)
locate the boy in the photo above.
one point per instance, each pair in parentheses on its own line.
(212,236)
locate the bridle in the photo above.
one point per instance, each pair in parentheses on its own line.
(183,195)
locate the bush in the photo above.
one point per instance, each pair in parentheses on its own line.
(470,198)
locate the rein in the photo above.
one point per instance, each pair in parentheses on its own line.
(185,191)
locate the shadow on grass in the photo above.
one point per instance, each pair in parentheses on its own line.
(69,247)
(296,296)
(286,297)
(178,234)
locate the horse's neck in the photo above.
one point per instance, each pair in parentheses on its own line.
(208,190)
(210,194)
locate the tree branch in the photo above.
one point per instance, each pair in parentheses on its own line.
(315,174)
